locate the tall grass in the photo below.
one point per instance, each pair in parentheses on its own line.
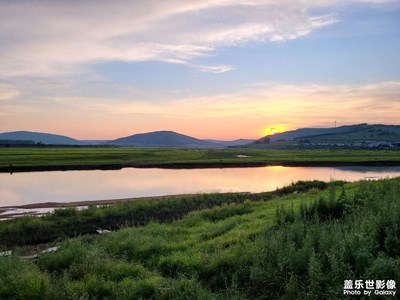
(297,246)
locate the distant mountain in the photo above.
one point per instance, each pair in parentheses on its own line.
(239,142)
(351,133)
(162,139)
(150,139)
(39,137)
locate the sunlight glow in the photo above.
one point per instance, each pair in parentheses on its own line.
(274,130)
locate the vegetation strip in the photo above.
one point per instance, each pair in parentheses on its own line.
(50,159)
(70,222)
(15,169)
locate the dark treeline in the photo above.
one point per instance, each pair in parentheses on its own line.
(70,222)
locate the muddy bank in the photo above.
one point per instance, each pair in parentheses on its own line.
(196,165)
(87,202)
(15,211)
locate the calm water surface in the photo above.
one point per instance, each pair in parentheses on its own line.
(37,187)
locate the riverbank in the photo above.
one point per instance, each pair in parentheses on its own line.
(38,209)
(69,221)
(302,244)
(31,160)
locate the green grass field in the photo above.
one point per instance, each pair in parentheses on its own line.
(42,157)
(298,246)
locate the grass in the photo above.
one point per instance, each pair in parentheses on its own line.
(70,222)
(296,246)
(42,157)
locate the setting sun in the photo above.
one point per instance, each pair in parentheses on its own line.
(273,130)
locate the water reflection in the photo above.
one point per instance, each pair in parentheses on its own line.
(26,188)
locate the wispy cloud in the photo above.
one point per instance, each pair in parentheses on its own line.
(214,69)
(239,113)
(61,37)
(263,100)
(8,92)
(48,46)
(377,1)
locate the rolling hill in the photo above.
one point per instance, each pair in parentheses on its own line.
(150,139)
(39,137)
(342,134)
(162,139)
(351,134)
(377,133)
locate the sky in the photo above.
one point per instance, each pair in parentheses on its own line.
(221,69)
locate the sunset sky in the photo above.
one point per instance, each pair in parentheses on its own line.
(222,69)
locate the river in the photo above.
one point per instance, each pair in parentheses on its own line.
(67,186)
